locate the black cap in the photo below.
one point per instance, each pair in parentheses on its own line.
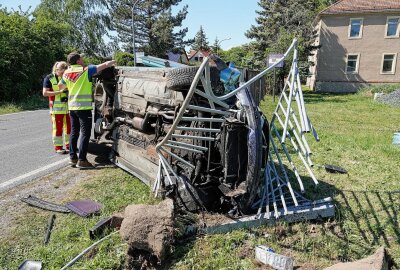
(73,57)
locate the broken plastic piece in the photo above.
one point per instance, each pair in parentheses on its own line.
(30,265)
(84,208)
(335,169)
(49,228)
(34,201)
(99,228)
(267,256)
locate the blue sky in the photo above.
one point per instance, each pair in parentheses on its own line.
(219,18)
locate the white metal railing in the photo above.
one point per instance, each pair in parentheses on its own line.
(290,115)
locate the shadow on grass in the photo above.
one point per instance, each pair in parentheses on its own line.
(101,153)
(318,97)
(364,220)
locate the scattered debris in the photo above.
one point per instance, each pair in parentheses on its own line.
(100,227)
(148,229)
(50,224)
(84,208)
(335,169)
(391,99)
(396,138)
(34,201)
(30,265)
(267,256)
(378,261)
(69,264)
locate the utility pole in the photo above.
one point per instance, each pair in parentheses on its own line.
(133,33)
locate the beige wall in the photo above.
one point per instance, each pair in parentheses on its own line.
(331,60)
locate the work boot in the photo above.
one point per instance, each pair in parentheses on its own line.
(73,161)
(60,151)
(84,164)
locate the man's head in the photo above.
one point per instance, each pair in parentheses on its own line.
(75,58)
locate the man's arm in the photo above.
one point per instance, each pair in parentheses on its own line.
(105,65)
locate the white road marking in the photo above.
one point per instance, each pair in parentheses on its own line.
(7,114)
(29,174)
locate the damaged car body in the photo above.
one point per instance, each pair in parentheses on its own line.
(196,134)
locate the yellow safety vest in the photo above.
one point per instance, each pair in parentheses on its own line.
(60,103)
(79,88)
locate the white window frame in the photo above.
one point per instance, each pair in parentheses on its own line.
(393,71)
(361,28)
(357,63)
(387,26)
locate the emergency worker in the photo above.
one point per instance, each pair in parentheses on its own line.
(78,79)
(58,103)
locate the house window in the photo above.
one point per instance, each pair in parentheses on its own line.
(392,27)
(352,63)
(355,28)
(389,63)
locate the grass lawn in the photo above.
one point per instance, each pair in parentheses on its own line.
(356,133)
(31,103)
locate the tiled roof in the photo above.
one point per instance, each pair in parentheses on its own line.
(361,6)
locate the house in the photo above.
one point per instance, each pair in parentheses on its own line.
(178,56)
(197,56)
(360,45)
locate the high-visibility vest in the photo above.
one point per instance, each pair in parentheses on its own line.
(79,88)
(60,104)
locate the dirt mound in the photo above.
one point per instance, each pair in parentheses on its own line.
(148,229)
(377,261)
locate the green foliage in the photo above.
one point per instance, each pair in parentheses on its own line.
(385,88)
(29,46)
(200,41)
(154,24)
(88,22)
(123,58)
(279,21)
(33,102)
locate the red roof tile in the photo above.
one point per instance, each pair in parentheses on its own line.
(361,6)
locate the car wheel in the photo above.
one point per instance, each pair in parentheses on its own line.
(179,78)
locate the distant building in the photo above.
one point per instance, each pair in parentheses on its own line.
(179,57)
(197,56)
(360,45)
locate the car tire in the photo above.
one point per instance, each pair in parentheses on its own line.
(181,78)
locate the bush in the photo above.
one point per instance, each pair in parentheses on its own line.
(28,47)
(124,58)
(383,88)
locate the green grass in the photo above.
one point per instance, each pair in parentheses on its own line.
(31,103)
(114,189)
(356,133)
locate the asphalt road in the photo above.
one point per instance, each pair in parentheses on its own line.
(26,150)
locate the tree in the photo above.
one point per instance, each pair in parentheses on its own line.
(88,22)
(286,18)
(29,46)
(215,47)
(155,25)
(200,41)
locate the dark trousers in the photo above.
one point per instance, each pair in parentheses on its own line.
(81,125)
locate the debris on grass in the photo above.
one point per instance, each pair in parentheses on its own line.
(380,260)
(267,256)
(391,99)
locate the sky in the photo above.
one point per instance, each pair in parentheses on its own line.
(219,18)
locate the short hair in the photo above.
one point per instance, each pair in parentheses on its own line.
(73,57)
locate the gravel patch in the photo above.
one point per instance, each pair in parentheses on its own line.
(391,99)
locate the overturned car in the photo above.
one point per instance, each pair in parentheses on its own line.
(196,134)
(180,137)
